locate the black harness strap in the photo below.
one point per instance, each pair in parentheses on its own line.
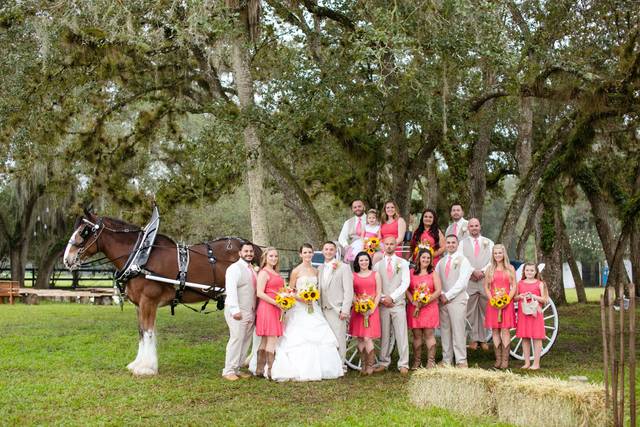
(183,266)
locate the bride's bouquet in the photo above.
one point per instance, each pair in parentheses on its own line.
(422,296)
(309,293)
(499,300)
(364,305)
(285,298)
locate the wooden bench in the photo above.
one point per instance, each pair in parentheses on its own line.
(9,289)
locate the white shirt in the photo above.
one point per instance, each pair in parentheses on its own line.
(232,277)
(480,239)
(405,277)
(343,239)
(463,279)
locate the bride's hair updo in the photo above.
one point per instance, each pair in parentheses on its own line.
(305,245)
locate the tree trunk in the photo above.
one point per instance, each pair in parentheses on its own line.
(46,266)
(529,226)
(635,256)
(18,258)
(255,167)
(298,201)
(479,153)
(568,253)
(551,250)
(524,147)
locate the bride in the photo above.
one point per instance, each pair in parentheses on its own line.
(308,349)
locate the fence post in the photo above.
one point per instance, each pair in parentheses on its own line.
(632,354)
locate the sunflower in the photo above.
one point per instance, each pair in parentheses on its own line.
(499,303)
(313,294)
(425,299)
(374,241)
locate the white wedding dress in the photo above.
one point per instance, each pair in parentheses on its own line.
(308,350)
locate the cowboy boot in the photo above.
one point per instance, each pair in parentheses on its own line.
(271,356)
(498,351)
(431,356)
(371,360)
(505,357)
(364,361)
(417,357)
(262,359)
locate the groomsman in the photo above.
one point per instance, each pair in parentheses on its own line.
(239,311)
(353,229)
(477,249)
(336,295)
(454,271)
(459,225)
(394,273)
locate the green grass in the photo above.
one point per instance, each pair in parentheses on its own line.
(66,364)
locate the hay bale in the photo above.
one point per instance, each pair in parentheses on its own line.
(515,399)
(540,401)
(466,391)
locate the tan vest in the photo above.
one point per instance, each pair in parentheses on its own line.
(246,290)
(454,273)
(390,285)
(485,252)
(352,228)
(462,231)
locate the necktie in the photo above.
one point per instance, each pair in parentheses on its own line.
(389,268)
(476,248)
(455,228)
(254,279)
(358,226)
(447,267)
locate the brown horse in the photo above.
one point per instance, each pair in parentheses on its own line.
(117,239)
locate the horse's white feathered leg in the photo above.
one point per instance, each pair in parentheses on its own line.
(147,364)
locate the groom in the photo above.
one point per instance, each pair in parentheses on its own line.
(336,295)
(239,311)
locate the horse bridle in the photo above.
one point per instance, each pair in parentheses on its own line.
(96,229)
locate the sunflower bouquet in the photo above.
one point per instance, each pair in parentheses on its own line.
(309,293)
(285,298)
(500,300)
(371,245)
(422,296)
(364,305)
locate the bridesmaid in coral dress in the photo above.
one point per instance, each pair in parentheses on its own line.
(428,233)
(393,225)
(268,325)
(531,327)
(424,319)
(365,282)
(499,280)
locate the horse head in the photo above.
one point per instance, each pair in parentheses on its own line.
(83,241)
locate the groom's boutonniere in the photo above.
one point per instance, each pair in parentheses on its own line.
(456,262)
(485,243)
(335,264)
(397,269)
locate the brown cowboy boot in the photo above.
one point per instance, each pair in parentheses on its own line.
(431,357)
(262,359)
(371,360)
(417,357)
(271,356)
(364,361)
(498,351)
(505,357)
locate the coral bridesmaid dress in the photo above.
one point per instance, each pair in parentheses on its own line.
(530,326)
(364,285)
(429,316)
(391,229)
(268,315)
(500,281)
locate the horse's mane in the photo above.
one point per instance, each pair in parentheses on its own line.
(115,222)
